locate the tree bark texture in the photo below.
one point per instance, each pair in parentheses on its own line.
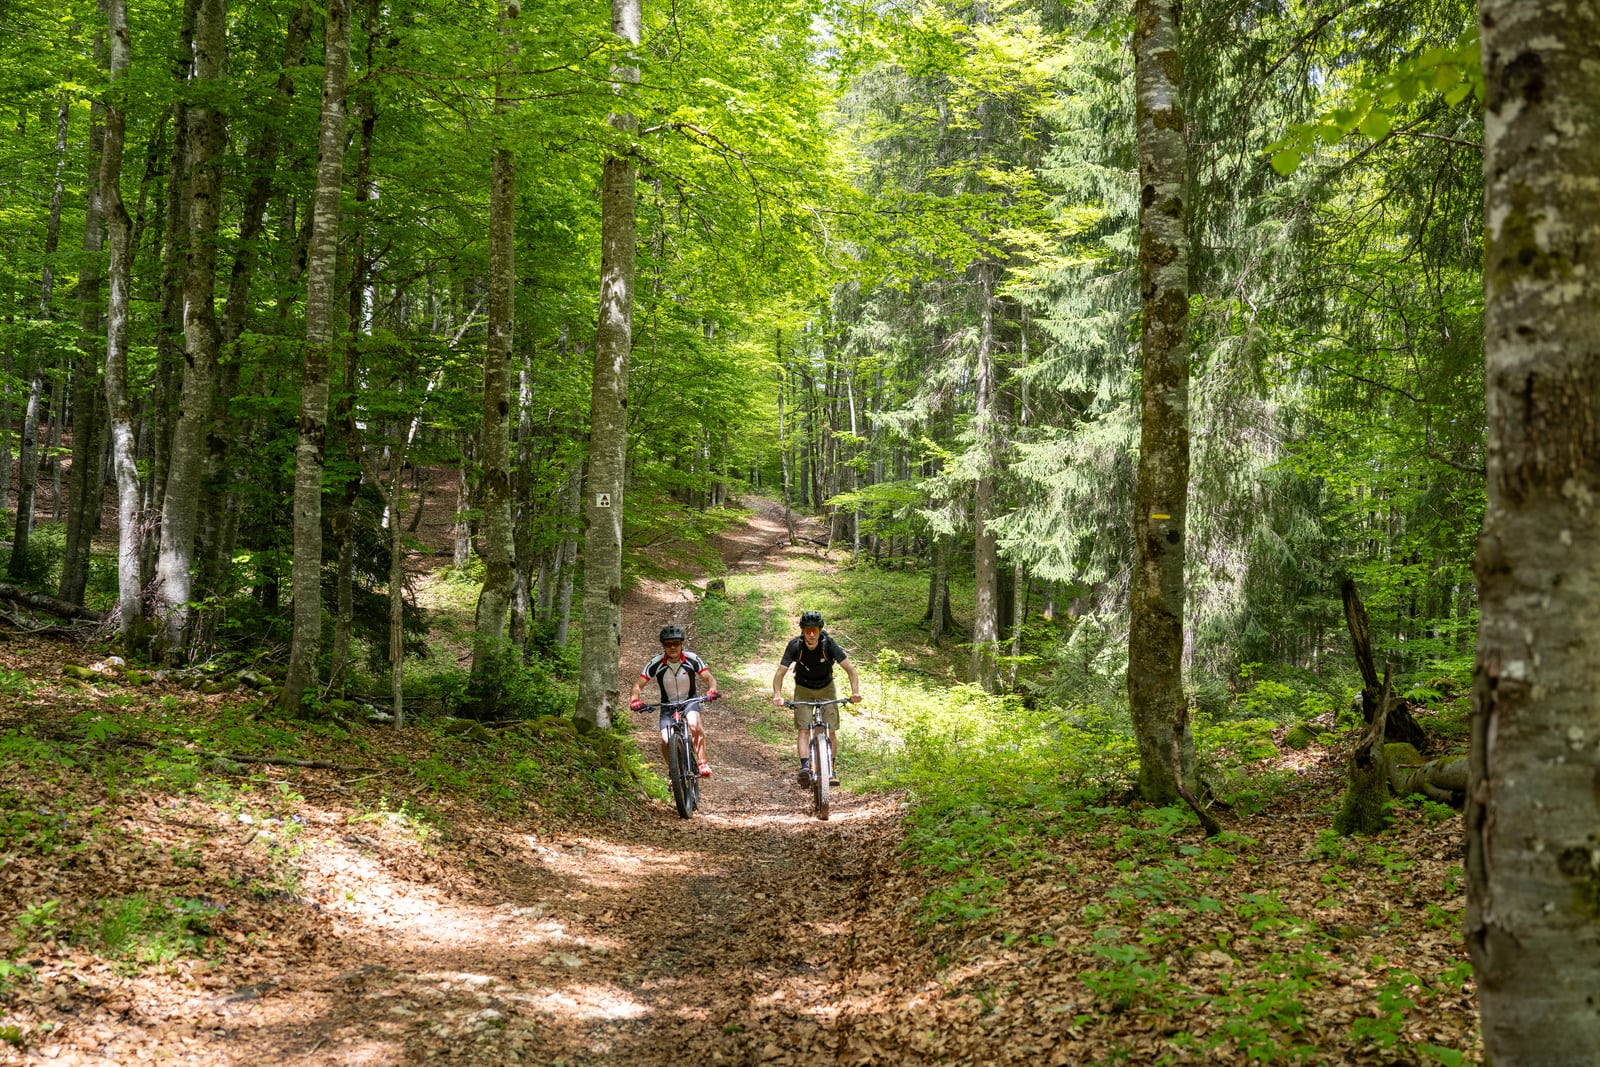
(180,504)
(130,606)
(216,556)
(83,514)
(1533,816)
(985,666)
(310,452)
(27,475)
(783,443)
(494,599)
(1155,629)
(1402,725)
(608,400)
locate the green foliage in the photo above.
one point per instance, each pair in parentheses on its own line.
(1452,73)
(143,930)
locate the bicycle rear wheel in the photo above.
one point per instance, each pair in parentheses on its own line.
(678,775)
(821,769)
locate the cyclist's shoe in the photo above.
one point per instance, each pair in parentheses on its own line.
(805,776)
(705,772)
(833,778)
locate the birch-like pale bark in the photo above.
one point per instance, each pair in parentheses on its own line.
(985,666)
(27,476)
(568,558)
(608,398)
(783,442)
(130,609)
(28,453)
(310,452)
(83,513)
(174,254)
(1155,626)
(1533,814)
(201,335)
(494,599)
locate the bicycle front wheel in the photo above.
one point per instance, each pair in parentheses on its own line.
(678,774)
(821,771)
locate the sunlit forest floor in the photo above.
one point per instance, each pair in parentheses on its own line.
(428,897)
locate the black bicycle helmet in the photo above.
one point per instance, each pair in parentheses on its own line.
(671,632)
(811,618)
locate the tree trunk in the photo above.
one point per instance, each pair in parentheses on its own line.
(939,591)
(27,476)
(494,600)
(306,574)
(783,444)
(174,255)
(1533,855)
(83,514)
(1403,726)
(569,558)
(180,505)
(344,513)
(130,606)
(1366,796)
(461,552)
(1155,629)
(608,398)
(217,486)
(985,665)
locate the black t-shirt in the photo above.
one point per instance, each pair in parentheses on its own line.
(813,667)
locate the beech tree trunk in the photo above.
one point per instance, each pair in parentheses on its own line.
(608,398)
(180,504)
(130,606)
(217,485)
(1533,848)
(783,444)
(174,255)
(1155,628)
(27,475)
(494,599)
(310,455)
(569,559)
(83,512)
(985,666)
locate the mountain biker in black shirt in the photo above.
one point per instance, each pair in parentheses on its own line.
(813,655)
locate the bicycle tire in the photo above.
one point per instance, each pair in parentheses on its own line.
(820,769)
(678,774)
(694,776)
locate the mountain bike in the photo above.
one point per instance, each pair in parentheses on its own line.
(821,753)
(683,770)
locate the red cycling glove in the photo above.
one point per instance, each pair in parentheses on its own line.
(712,695)
(635,704)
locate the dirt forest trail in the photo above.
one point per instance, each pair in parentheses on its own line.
(728,938)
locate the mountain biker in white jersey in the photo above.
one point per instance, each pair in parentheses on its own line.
(677,672)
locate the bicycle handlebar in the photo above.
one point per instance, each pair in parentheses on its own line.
(675,703)
(815,703)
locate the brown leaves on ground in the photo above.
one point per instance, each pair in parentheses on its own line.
(299,916)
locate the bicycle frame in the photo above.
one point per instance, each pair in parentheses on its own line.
(821,752)
(683,770)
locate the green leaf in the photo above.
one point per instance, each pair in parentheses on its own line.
(1449,1057)
(1286,163)
(1377,124)
(1458,94)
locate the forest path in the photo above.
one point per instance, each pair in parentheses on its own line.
(726,938)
